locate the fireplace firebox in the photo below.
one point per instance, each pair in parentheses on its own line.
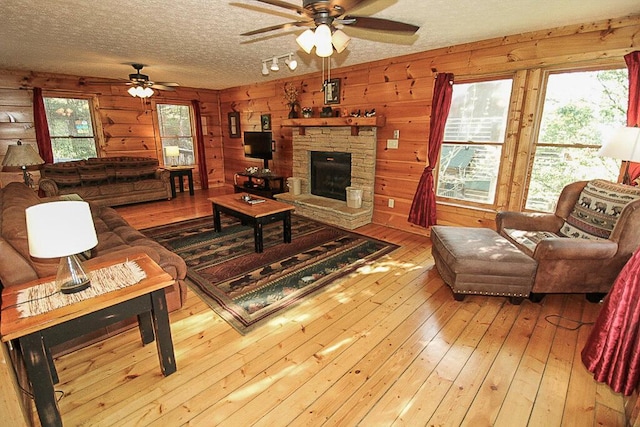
(330,174)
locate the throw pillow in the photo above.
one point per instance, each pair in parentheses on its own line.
(598,208)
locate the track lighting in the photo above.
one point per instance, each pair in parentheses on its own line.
(274,64)
(323,40)
(289,60)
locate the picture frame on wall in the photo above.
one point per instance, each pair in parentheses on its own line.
(265,122)
(234,124)
(332,91)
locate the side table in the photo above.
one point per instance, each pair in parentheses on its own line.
(38,333)
(180,172)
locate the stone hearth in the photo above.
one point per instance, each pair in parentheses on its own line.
(363,164)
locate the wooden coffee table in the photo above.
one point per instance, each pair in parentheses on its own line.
(257,214)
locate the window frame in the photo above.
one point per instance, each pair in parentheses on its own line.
(533,142)
(98,135)
(192,123)
(507,146)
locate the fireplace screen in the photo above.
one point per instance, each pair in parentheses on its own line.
(330,174)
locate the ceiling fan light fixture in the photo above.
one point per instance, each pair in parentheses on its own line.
(274,64)
(324,48)
(340,40)
(132,91)
(265,70)
(306,40)
(147,92)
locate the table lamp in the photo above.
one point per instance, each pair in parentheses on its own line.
(624,145)
(62,229)
(172,151)
(22,156)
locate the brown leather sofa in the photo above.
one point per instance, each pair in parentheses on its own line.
(115,238)
(109,181)
(581,247)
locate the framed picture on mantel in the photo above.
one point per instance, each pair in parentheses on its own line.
(332,91)
(234,124)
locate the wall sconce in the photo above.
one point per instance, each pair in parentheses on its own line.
(291,63)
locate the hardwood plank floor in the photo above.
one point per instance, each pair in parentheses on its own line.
(385,346)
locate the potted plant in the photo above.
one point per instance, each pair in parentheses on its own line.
(291,96)
(307,112)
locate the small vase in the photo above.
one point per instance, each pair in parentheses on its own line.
(293,114)
(306,115)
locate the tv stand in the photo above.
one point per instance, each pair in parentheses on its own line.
(259,183)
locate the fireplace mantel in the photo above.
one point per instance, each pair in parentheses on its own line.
(354,122)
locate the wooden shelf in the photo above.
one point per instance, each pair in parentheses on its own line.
(353,122)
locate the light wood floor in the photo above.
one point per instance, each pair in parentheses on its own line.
(385,346)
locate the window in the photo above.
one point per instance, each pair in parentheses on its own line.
(175,126)
(580,110)
(473,139)
(70,128)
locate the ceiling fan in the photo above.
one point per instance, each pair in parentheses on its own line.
(326,16)
(142,87)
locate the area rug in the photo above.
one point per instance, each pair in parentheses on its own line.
(248,288)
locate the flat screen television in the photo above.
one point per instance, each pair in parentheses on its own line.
(257,145)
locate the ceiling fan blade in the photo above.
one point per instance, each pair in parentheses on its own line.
(172,84)
(164,86)
(278,27)
(378,24)
(285,5)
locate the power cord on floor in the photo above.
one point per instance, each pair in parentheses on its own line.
(578,324)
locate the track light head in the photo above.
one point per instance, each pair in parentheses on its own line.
(265,70)
(274,64)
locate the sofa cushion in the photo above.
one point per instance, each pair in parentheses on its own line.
(64,174)
(92,174)
(598,209)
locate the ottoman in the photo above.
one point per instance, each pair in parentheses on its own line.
(480,261)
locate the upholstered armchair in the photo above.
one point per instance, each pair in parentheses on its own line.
(581,247)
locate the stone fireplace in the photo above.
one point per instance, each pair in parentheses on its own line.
(360,146)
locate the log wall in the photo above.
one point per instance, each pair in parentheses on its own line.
(125,126)
(401,90)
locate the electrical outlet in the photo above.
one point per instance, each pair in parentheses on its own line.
(396,134)
(391,203)
(392,143)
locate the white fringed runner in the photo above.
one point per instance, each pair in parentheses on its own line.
(45,297)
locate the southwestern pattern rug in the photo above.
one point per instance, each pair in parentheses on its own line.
(247,288)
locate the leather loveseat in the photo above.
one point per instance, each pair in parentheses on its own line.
(109,181)
(115,238)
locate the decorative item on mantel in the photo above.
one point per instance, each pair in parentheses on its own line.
(307,112)
(291,95)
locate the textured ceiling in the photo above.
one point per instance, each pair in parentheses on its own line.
(197,43)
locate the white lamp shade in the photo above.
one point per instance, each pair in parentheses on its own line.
(623,145)
(340,40)
(324,48)
(172,151)
(59,229)
(306,40)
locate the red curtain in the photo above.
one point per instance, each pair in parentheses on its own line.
(612,351)
(202,158)
(423,207)
(633,110)
(42,128)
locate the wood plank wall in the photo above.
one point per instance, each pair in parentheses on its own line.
(125,125)
(401,89)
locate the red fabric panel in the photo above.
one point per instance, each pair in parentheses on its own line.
(42,128)
(202,158)
(612,352)
(633,109)
(423,207)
